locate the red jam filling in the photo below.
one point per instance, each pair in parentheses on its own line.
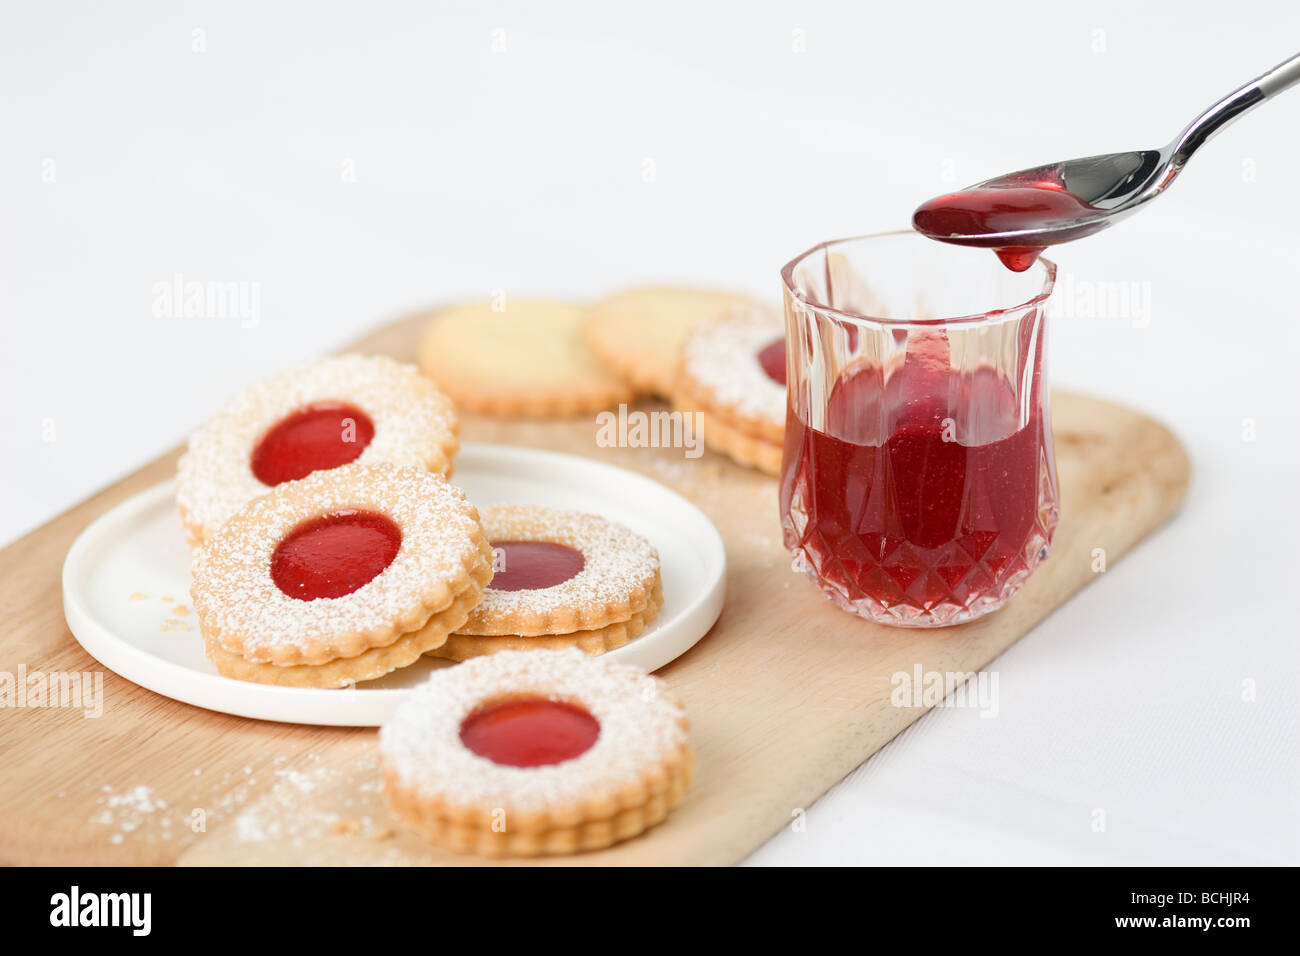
(1019,258)
(772,358)
(529,732)
(528,565)
(320,436)
(966,216)
(333,555)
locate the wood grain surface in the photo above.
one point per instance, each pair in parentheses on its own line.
(786,694)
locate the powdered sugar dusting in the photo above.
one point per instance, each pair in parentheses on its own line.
(619,564)
(129,811)
(641,726)
(234,593)
(721,357)
(415,426)
(308,805)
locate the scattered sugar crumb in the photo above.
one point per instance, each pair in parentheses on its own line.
(306,804)
(303,782)
(143,815)
(128,810)
(172,625)
(139,798)
(249,828)
(137,596)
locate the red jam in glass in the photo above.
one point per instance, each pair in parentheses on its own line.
(529,565)
(530,732)
(320,436)
(924,491)
(972,213)
(772,359)
(335,554)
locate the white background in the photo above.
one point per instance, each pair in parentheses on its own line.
(525,170)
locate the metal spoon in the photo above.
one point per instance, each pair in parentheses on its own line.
(1114,185)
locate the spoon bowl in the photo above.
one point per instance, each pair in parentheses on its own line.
(1105,188)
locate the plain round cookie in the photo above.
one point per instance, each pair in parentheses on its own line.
(528,359)
(639,332)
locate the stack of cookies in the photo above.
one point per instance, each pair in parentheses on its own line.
(531,753)
(331,548)
(340,577)
(561,579)
(733,373)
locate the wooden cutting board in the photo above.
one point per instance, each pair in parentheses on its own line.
(786,695)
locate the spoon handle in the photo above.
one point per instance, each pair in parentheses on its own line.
(1281,77)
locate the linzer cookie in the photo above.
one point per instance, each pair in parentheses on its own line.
(733,373)
(561,579)
(366,409)
(340,577)
(528,359)
(536,753)
(639,332)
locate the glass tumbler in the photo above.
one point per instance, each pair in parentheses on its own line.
(918,484)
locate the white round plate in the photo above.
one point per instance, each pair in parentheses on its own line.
(121,569)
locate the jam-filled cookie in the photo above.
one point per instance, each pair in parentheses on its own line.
(733,373)
(534,753)
(561,579)
(350,408)
(340,577)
